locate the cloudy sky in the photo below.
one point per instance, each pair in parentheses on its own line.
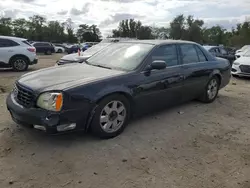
(107,13)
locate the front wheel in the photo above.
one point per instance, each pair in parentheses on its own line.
(211,91)
(111,116)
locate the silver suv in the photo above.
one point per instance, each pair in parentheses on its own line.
(17,53)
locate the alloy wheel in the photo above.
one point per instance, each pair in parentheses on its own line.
(113,116)
(212,89)
(19,64)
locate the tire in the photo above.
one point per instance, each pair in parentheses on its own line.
(19,64)
(112,117)
(48,52)
(59,51)
(212,85)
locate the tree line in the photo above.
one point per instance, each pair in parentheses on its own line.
(37,28)
(186,28)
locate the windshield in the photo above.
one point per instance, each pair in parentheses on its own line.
(124,56)
(96,48)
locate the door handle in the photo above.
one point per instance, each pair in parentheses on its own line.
(10,51)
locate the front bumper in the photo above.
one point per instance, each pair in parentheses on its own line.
(50,122)
(237,71)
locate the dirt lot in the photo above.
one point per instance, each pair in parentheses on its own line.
(192,145)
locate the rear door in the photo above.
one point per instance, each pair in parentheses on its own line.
(196,70)
(39,47)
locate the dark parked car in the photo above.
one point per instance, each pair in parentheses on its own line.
(75,58)
(127,77)
(85,54)
(44,47)
(220,51)
(73,49)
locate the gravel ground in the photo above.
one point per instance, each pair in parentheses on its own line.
(192,145)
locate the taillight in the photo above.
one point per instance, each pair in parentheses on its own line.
(32,49)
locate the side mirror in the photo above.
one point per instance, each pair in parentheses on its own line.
(158,65)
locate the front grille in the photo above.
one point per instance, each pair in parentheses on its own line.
(245,68)
(23,95)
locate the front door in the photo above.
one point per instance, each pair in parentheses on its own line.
(160,88)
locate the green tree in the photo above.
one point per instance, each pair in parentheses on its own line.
(133,29)
(5,26)
(20,28)
(86,33)
(177,27)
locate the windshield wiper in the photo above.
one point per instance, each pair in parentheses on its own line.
(102,66)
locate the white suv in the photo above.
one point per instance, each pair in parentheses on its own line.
(16,53)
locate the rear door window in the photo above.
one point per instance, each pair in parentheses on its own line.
(38,44)
(26,42)
(201,55)
(189,54)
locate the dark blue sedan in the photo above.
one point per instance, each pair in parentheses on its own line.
(114,85)
(73,49)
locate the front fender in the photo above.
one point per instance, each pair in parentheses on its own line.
(111,90)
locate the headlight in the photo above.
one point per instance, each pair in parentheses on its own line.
(236,63)
(50,101)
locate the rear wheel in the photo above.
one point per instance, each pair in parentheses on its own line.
(59,50)
(111,116)
(19,63)
(211,91)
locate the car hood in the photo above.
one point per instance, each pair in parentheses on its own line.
(64,77)
(243,60)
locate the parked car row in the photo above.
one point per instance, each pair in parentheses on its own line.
(220,51)
(82,47)
(84,55)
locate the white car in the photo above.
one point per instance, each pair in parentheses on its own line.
(59,49)
(241,51)
(17,53)
(241,66)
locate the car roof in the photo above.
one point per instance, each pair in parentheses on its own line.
(207,47)
(157,42)
(12,38)
(40,42)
